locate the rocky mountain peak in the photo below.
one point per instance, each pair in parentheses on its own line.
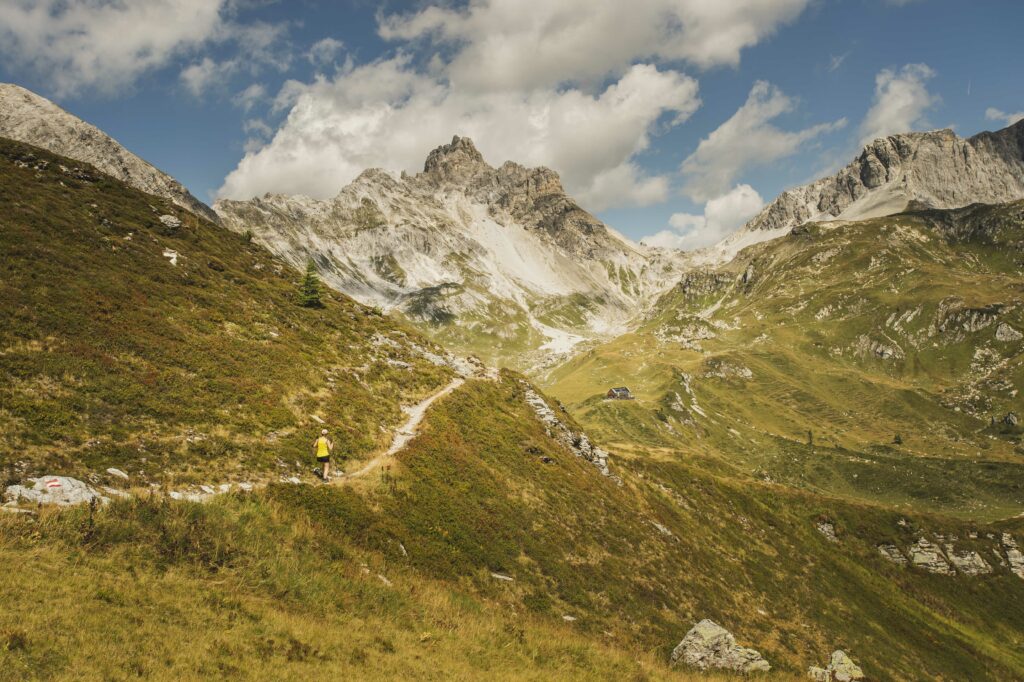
(27,117)
(455,162)
(935,169)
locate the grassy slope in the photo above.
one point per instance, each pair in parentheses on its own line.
(254,579)
(796,328)
(112,356)
(251,581)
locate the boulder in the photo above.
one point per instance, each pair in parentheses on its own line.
(708,645)
(840,669)
(59,490)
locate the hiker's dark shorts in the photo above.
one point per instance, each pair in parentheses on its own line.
(324,460)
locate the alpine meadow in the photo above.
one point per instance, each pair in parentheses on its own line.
(494,340)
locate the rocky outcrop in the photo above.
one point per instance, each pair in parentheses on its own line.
(839,669)
(710,646)
(925,555)
(577,442)
(29,118)
(967,563)
(1014,556)
(935,170)
(1007,334)
(893,554)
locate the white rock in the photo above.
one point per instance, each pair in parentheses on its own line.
(59,490)
(170,221)
(171,255)
(708,645)
(117,472)
(499,576)
(840,669)
(1006,333)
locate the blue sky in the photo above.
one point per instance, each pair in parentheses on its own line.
(673,116)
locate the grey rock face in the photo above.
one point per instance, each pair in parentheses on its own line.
(1013,555)
(893,554)
(579,443)
(840,669)
(935,170)
(708,645)
(968,563)
(62,491)
(924,554)
(490,251)
(27,117)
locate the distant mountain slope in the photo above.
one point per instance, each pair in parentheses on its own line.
(497,261)
(165,344)
(935,169)
(27,117)
(804,359)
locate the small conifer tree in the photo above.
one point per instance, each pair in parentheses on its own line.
(309,291)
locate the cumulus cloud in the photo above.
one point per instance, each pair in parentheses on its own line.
(994,114)
(576,85)
(722,216)
(901,102)
(747,139)
(390,115)
(524,44)
(100,44)
(105,45)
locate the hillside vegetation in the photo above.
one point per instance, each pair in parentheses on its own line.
(876,360)
(486,548)
(140,336)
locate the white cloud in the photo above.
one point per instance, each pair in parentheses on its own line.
(105,45)
(387,114)
(524,44)
(722,216)
(994,114)
(203,75)
(100,44)
(324,52)
(901,101)
(747,139)
(248,98)
(576,85)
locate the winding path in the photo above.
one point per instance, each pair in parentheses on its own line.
(407,431)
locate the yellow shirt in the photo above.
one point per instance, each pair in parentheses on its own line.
(322,448)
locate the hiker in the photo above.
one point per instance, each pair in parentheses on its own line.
(323,447)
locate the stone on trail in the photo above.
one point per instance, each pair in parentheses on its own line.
(709,645)
(62,491)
